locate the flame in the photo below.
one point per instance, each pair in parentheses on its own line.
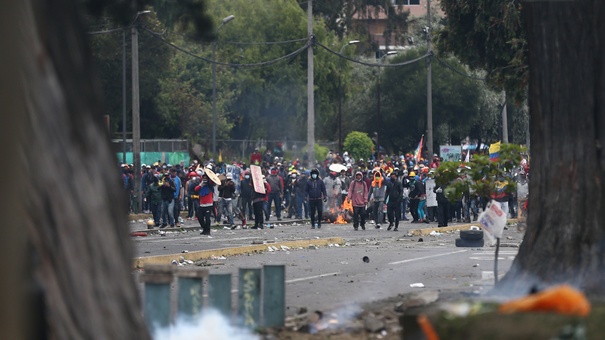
(347,205)
(340,220)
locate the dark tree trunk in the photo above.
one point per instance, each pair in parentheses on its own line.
(63,183)
(564,241)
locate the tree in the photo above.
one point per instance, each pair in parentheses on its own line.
(358,144)
(69,276)
(565,239)
(488,35)
(457,103)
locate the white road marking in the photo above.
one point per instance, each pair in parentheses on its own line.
(428,257)
(311,277)
(196,238)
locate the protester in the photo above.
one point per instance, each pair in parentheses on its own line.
(226,194)
(205,190)
(277,192)
(415,195)
(258,200)
(358,194)
(377,196)
(167,191)
(393,197)
(246,192)
(177,196)
(154,198)
(315,194)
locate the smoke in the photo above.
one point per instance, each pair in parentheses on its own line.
(335,319)
(210,326)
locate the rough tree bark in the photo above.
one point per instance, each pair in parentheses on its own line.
(565,240)
(63,185)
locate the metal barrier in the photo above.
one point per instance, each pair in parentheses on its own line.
(261,295)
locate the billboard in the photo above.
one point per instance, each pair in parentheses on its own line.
(450,152)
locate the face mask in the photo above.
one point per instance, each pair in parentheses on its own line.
(293,176)
(358,179)
(314,176)
(246,177)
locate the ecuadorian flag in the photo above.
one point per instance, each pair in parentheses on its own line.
(494,152)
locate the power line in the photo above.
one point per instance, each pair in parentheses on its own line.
(119,29)
(259,64)
(372,64)
(464,74)
(263,43)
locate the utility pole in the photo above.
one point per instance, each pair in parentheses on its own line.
(310,88)
(124,96)
(136,132)
(504,119)
(429,90)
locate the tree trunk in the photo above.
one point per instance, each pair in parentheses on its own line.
(63,182)
(564,241)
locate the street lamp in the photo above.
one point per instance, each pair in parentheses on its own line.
(379,118)
(352,42)
(225,20)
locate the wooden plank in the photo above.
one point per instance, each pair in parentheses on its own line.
(274,295)
(219,293)
(249,297)
(257,178)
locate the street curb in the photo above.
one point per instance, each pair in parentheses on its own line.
(140,262)
(466,226)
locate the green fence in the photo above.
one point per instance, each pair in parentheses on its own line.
(152,157)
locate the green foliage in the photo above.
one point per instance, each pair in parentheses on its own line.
(488,35)
(480,175)
(358,144)
(321,152)
(457,103)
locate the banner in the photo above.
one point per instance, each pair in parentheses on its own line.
(418,152)
(257,179)
(450,153)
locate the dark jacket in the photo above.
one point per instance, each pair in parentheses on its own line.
(441,199)
(276,183)
(394,193)
(316,189)
(153,194)
(246,188)
(415,190)
(167,191)
(226,189)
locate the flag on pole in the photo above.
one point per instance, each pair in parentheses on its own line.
(494,152)
(468,156)
(418,151)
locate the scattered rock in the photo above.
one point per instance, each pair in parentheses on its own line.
(312,247)
(417,299)
(185,251)
(366,259)
(373,324)
(417,285)
(420,240)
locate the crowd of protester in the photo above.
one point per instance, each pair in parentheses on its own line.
(381,191)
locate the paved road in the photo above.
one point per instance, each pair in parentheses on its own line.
(330,276)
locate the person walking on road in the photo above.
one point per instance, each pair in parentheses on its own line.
(205,191)
(358,194)
(276,183)
(393,197)
(377,192)
(167,190)
(258,201)
(316,195)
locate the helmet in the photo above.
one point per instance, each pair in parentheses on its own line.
(294,171)
(412,174)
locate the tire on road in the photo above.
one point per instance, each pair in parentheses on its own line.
(471,235)
(469,243)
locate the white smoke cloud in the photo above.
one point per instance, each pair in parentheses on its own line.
(210,326)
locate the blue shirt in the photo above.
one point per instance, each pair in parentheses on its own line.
(177,184)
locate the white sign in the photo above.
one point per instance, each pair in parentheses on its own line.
(493,220)
(450,153)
